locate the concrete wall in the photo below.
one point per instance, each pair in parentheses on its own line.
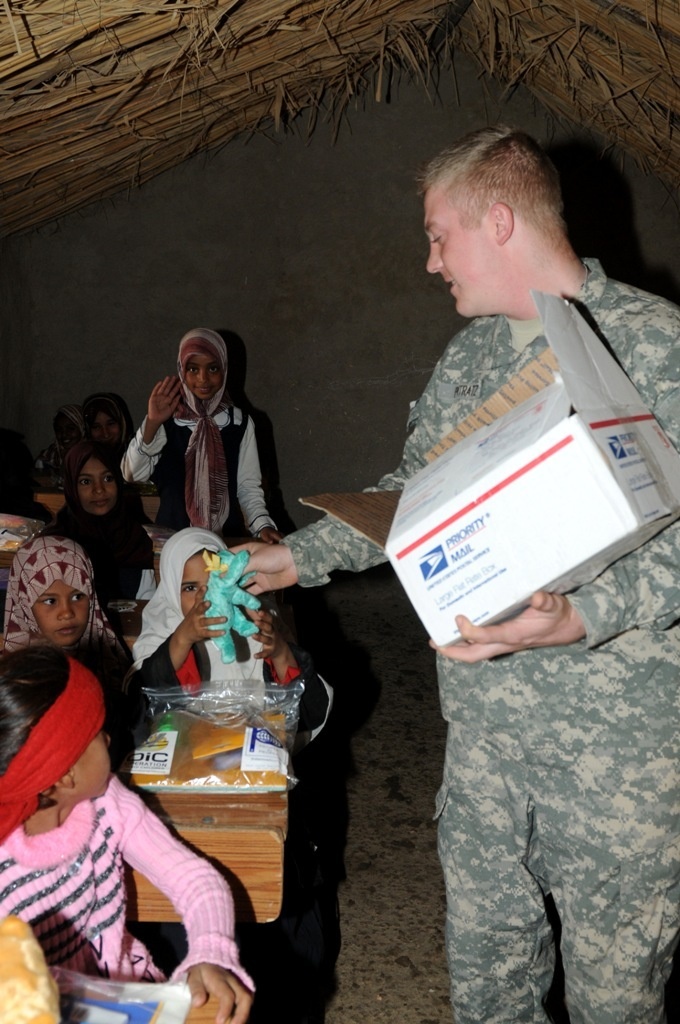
(312,254)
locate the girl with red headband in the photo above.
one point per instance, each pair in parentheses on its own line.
(66,827)
(200,449)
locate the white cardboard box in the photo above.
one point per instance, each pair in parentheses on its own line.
(545,497)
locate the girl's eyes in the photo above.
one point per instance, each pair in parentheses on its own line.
(87,481)
(189,588)
(211,369)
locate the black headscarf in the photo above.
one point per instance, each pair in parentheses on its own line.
(115,541)
(115,407)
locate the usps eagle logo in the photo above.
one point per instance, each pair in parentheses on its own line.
(433,562)
(622,445)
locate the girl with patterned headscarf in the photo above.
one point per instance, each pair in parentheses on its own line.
(200,449)
(51,599)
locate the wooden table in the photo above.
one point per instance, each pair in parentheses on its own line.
(205,1015)
(252,849)
(242,834)
(6,557)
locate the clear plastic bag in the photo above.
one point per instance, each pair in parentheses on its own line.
(230,737)
(97,999)
(16,530)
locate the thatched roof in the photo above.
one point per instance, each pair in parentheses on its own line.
(613,67)
(100,95)
(97,96)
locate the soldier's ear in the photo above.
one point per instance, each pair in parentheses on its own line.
(502,222)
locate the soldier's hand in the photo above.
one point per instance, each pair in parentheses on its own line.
(549,621)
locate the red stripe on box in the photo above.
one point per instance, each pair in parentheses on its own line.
(641,418)
(501,485)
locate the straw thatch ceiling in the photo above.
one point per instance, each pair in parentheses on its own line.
(97,96)
(611,66)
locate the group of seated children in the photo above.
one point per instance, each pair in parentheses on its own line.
(194,444)
(103,417)
(72,699)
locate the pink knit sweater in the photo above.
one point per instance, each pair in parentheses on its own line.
(69,885)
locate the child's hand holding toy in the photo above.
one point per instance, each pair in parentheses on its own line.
(196,625)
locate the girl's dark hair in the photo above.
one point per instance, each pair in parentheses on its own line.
(30,682)
(113,405)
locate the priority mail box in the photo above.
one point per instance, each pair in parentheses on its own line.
(543,498)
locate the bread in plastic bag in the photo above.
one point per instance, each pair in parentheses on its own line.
(229,738)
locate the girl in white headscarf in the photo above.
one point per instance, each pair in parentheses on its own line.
(174,650)
(174,647)
(199,449)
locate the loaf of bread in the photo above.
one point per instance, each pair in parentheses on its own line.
(28,992)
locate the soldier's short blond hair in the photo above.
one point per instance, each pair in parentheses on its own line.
(498,164)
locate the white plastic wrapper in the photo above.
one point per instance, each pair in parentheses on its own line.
(16,530)
(86,1000)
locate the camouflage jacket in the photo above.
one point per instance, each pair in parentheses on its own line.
(629,608)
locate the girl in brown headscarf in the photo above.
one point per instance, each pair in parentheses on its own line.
(97,516)
(108,420)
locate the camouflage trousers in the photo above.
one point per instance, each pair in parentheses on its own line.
(520,815)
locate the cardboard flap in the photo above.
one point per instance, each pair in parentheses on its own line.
(538,374)
(592,376)
(369,512)
(626,431)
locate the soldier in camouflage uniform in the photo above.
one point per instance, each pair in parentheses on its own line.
(562,770)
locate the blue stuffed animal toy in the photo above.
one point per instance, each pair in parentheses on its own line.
(225,593)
